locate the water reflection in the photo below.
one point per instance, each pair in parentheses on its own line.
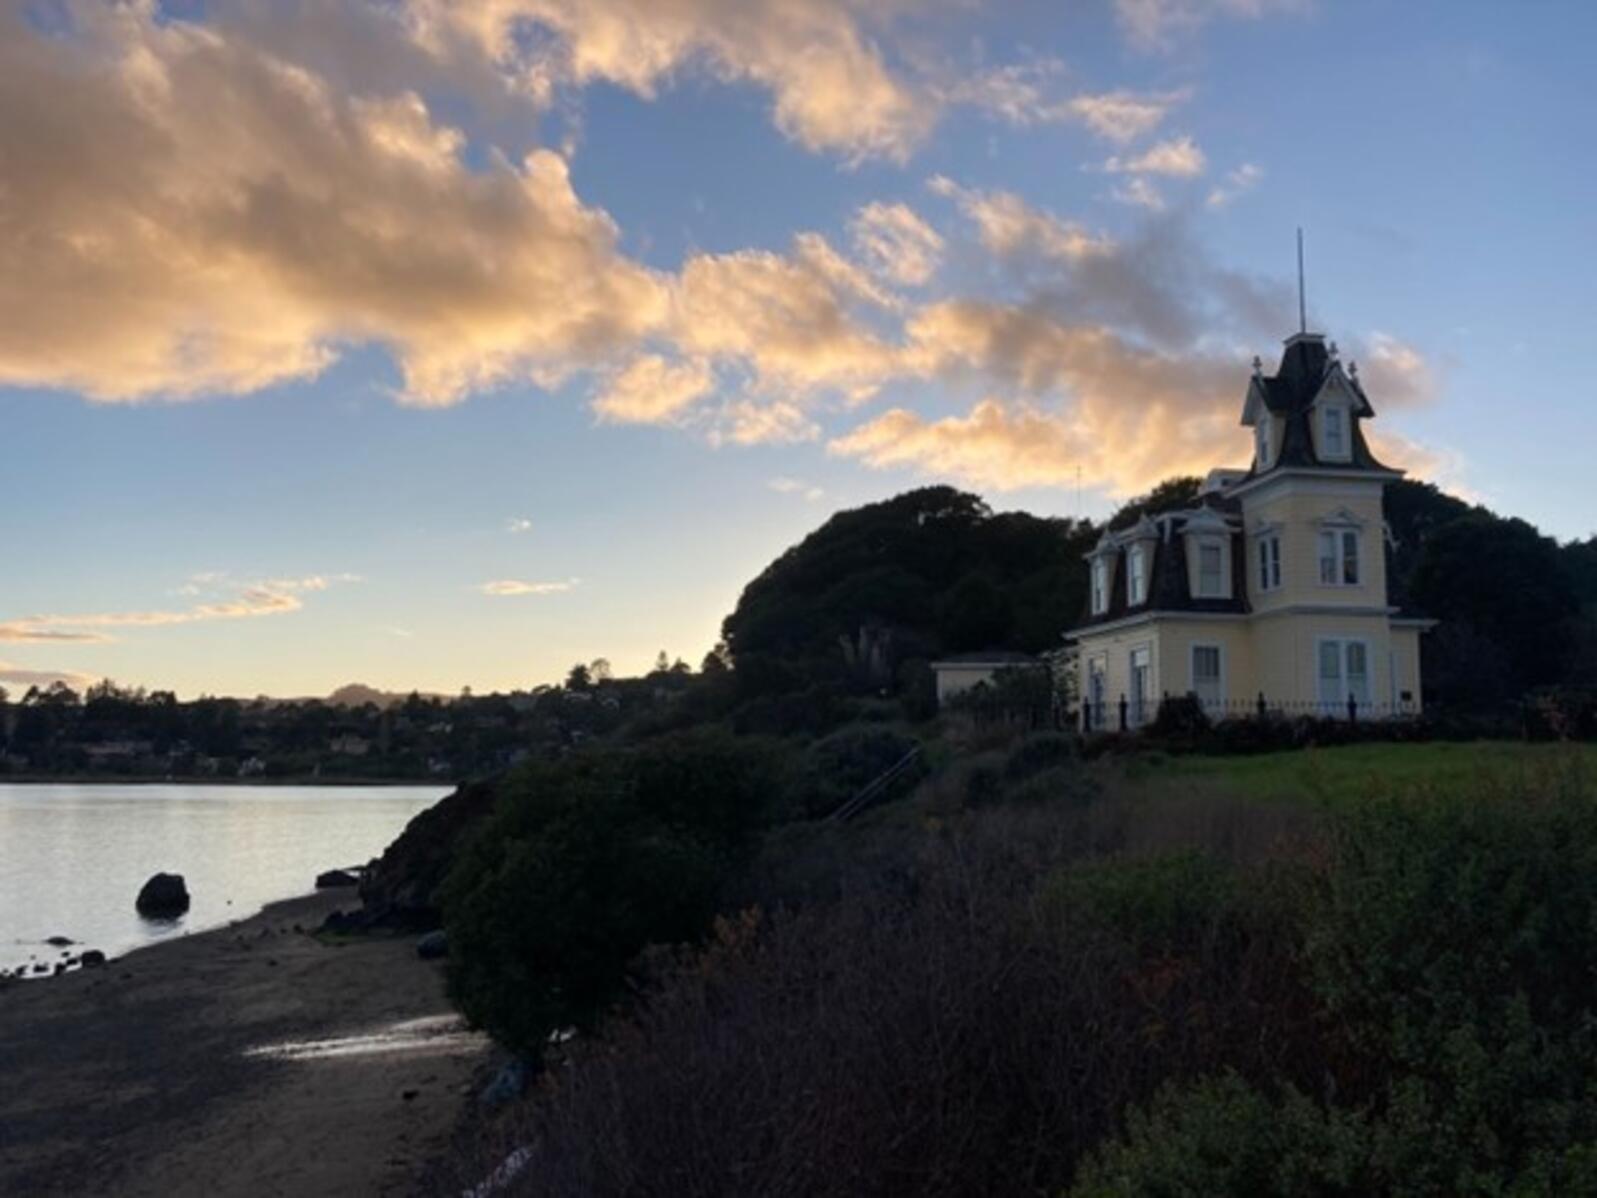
(431,1035)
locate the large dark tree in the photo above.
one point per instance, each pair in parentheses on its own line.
(1505,583)
(927,572)
(1172,495)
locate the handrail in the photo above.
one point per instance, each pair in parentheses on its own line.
(874,789)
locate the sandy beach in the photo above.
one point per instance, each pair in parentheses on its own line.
(247,1060)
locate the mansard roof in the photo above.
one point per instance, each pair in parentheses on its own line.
(1309,368)
(1169,582)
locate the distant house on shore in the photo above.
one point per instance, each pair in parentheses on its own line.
(1272,589)
(965,671)
(349,744)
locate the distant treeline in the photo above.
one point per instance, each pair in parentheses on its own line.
(842,626)
(116,731)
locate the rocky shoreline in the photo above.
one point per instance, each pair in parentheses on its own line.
(149,1076)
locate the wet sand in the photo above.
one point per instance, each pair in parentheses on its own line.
(166,1072)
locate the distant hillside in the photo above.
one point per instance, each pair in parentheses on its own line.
(358,694)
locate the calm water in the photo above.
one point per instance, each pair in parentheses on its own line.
(72,858)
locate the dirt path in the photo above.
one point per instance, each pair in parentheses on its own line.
(139,1078)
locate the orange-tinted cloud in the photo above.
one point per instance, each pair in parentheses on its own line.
(511,587)
(187,214)
(652,390)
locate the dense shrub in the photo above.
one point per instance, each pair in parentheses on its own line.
(1040,751)
(945,1034)
(586,861)
(1222,1138)
(1180,715)
(1161,903)
(1456,941)
(1061,784)
(984,785)
(837,768)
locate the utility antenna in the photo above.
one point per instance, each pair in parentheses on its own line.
(1303,310)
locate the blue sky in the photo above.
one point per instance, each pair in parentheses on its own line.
(401,345)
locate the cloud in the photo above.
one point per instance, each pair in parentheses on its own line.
(1008,227)
(1139,193)
(762,421)
(1079,396)
(14,675)
(793,486)
(187,214)
(518,524)
(1085,397)
(271,597)
(1155,24)
(1158,284)
(1179,157)
(1243,179)
(26,633)
(1123,116)
(1394,372)
(830,86)
(787,319)
(652,390)
(515,586)
(897,243)
(1024,94)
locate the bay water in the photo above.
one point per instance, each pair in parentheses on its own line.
(73,857)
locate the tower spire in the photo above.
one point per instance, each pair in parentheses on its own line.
(1303,310)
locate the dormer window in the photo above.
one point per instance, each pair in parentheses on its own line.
(1137,575)
(1100,585)
(1261,437)
(1211,571)
(1333,432)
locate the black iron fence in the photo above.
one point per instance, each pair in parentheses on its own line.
(1129,713)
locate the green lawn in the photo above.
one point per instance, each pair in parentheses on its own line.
(1353,771)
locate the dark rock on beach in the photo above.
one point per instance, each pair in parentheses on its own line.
(163,896)
(336,877)
(93,958)
(432,946)
(60,941)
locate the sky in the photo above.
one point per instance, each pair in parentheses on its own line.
(445,343)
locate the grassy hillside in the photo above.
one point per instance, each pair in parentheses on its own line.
(1360,970)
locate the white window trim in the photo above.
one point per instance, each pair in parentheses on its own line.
(1263,446)
(1222,545)
(1192,671)
(1136,575)
(1337,532)
(1268,580)
(1100,582)
(1137,716)
(1340,706)
(1322,441)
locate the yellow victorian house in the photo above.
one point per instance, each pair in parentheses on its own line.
(1271,592)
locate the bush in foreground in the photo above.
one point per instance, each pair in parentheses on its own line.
(585,862)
